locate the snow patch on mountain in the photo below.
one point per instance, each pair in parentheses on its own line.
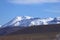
(43,21)
(36,22)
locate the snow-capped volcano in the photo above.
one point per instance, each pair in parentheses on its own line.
(30,21)
(16,21)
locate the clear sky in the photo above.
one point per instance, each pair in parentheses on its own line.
(35,8)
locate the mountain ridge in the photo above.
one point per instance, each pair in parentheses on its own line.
(30,21)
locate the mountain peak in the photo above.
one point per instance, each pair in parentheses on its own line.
(16,21)
(28,17)
(23,17)
(18,18)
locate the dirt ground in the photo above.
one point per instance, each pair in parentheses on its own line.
(38,36)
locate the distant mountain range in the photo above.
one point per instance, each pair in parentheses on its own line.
(26,24)
(31,21)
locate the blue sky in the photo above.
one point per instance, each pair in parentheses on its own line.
(35,8)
